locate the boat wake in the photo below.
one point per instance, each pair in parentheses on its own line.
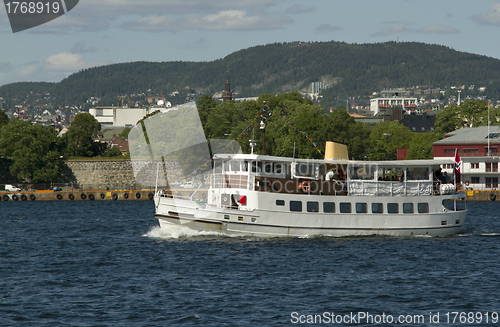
(175,232)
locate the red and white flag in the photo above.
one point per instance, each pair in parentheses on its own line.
(458,164)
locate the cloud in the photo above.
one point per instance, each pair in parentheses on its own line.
(391,30)
(298,9)
(27,72)
(98,15)
(68,62)
(327,28)
(492,17)
(227,20)
(438,29)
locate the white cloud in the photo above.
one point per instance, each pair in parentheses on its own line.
(492,17)
(391,30)
(68,62)
(96,15)
(227,20)
(27,72)
(438,29)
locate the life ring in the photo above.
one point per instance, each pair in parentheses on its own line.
(14,197)
(24,197)
(59,197)
(493,196)
(83,196)
(32,197)
(103,196)
(138,195)
(204,196)
(125,195)
(6,197)
(305,186)
(91,197)
(71,197)
(150,196)
(114,196)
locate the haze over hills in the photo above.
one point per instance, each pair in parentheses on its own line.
(352,69)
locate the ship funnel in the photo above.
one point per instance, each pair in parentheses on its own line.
(335,151)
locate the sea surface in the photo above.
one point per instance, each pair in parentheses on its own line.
(107,263)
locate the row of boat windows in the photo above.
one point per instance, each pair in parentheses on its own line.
(359,207)
(255,166)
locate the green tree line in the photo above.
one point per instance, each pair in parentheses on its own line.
(34,153)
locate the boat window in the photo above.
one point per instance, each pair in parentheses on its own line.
(312,207)
(226,166)
(218,167)
(306,170)
(256,166)
(377,208)
(366,172)
(268,167)
(417,173)
(277,168)
(423,208)
(328,206)
(280,202)
(392,208)
(391,174)
(407,207)
(361,207)
(244,165)
(235,165)
(345,207)
(296,206)
(450,205)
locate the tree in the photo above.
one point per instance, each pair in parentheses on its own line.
(386,138)
(421,146)
(3,118)
(81,135)
(468,114)
(34,151)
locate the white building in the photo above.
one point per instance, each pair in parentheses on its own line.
(118,116)
(391,98)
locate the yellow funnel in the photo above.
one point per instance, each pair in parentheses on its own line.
(334,151)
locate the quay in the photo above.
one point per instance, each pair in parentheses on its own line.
(147,195)
(106,195)
(482,195)
(94,195)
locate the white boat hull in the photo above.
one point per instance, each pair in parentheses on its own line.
(268,222)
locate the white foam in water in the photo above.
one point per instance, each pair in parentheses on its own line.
(176,232)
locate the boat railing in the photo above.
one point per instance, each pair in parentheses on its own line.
(390,188)
(223,181)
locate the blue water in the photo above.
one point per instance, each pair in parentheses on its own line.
(108,264)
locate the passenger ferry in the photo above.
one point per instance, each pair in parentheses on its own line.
(279,196)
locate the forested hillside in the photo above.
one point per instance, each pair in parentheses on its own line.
(353,69)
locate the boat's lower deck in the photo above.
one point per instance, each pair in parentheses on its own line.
(256,229)
(370,218)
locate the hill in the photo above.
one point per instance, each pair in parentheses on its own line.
(353,69)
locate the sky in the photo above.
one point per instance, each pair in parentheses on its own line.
(102,32)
